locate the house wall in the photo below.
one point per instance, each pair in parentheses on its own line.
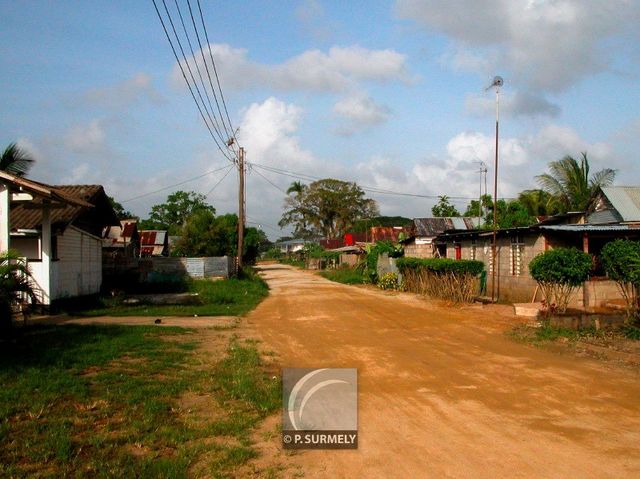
(419,248)
(521,288)
(78,270)
(349,260)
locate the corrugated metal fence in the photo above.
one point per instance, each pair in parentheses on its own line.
(197,268)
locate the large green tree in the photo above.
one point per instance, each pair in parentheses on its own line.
(15,160)
(172,214)
(204,234)
(326,207)
(570,182)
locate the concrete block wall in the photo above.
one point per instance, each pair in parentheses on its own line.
(413,250)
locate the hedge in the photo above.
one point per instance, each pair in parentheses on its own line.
(453,280)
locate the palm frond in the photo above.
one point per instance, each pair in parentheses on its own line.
(15,160)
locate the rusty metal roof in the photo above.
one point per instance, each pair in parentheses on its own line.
(153,237)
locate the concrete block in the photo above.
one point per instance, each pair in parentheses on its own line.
(529,310)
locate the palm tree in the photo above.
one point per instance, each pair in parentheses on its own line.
(538,202)
(296,187)
(570,183)
(14,282)
(15,160)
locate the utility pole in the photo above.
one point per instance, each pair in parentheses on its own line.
(241,206)
(497,83)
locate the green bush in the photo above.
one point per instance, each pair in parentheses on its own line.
(453,280)
(621,262)
(558,272)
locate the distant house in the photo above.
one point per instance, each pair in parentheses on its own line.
(613,214)
(58,230)
(422,237)
(122,240)
(154,243)
(291,246)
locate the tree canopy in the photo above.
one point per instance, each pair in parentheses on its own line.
(443,208)
(172,214)
(121,213)
(327,207)
(204,234)
(571,184)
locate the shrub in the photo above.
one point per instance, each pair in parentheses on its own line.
(370,264)
(389,282)
(453,280)
(558,272)
(621,262)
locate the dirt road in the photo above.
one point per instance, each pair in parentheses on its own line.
(443,393)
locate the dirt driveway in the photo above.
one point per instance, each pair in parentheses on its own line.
(443,393)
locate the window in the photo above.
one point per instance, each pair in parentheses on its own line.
(516,255)
(472,250)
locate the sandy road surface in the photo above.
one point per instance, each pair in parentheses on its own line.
(443,393)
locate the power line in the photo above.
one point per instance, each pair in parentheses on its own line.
(214,124)
(270,182)
(213,120)
(215,70)
(371,189)
(219,181)
(193,96)
(175,184)
(206,66)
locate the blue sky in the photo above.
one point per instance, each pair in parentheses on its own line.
(388,94)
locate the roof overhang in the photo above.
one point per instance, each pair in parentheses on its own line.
(40,190)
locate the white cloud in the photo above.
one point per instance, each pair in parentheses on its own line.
(124,93)
(544,45)
(313,70)
(359,112)
(86,139)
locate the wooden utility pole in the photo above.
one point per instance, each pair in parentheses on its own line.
(241,207)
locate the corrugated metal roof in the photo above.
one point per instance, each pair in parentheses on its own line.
(436,226)
(626,201)
(153,237)
(579,228)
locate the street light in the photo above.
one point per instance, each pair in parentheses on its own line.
(497,83)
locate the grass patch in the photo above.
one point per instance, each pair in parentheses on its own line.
(345,276)
(103,401)
(229,297)
(74,396)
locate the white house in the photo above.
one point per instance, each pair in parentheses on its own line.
(58,230)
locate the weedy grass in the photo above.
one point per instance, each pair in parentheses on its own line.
(344,275)
(548,333)
(229,297)
(103,401)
